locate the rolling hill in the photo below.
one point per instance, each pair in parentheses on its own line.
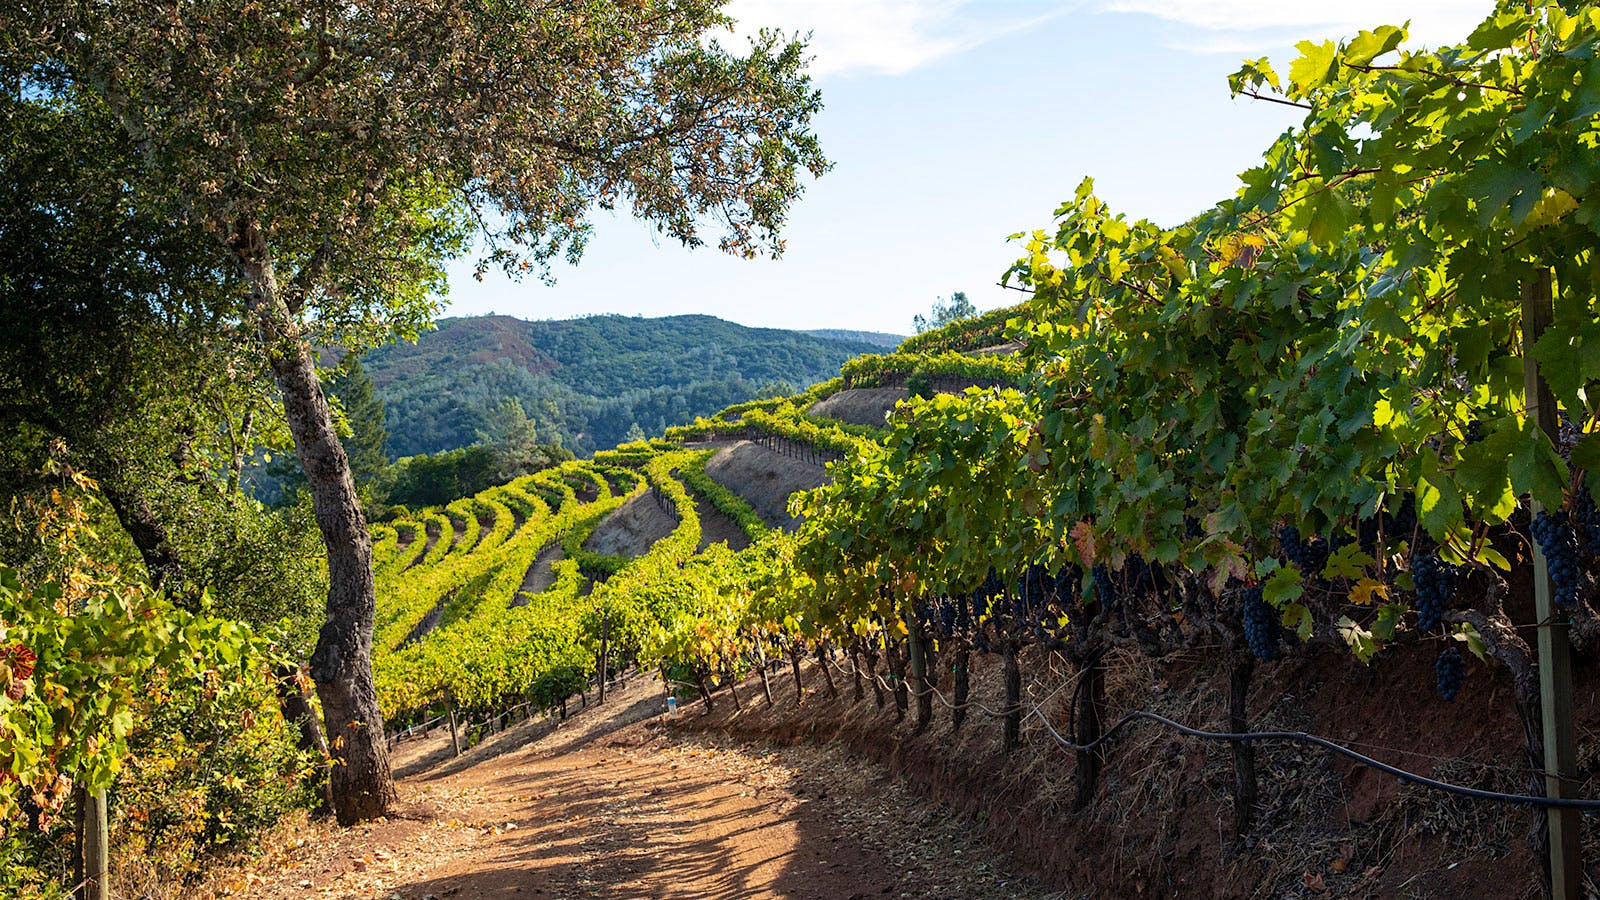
(588,381)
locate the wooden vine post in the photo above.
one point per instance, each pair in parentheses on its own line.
(605,634)
(94,847)
(1555,658)
(455,733)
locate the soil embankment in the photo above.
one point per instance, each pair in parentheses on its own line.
(765,479)
(633,528)
(540,575)
(859,406)
(1160,822)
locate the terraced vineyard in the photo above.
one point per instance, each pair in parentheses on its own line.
(457,624)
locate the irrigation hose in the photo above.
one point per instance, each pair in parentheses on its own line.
(1590,807)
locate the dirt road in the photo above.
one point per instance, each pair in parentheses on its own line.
(615,803)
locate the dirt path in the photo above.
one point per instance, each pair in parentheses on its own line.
(616,803)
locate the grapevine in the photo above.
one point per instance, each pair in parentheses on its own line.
(1449,671)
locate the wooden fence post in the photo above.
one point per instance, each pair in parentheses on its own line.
(455,734)
(1555,658)
(93,865)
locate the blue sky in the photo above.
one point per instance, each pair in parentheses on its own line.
(954,124)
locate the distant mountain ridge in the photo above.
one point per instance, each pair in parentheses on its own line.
(588,381)
(876,338)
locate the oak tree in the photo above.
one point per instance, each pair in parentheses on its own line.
(338,152)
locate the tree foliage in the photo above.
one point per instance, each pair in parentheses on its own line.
(946,311)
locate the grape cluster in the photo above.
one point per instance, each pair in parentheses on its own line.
(1307,556)
(1560,548)
(1067,581)
(1260,625)
(1449,670)
(1104,590)
(1435,582)
(1587,514)
(1475,432)
(1140,579)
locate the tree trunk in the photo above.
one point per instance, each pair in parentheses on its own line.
(733,691)
(298,712)
(870,651)
(241,441)
(148,533)
(705,692)
(855,665)
(827,673)
(963,681)
(920,681)
(362,784)
(794,660)
(761,666)
(897,675)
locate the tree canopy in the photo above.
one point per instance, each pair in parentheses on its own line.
(340,153)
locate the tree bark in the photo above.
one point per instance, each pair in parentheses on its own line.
(794,661)
(963,680)
(827,674)
(761,666)
(341,665)
(897,675)
(148,533)
(916,643)
(870,651)
(855,666)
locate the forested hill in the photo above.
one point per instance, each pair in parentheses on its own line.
(876,338)
(587,381)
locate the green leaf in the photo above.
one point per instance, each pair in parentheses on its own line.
(1330,217)
(1253,74)
(1494,187)
(1536,469)
(1347,562)
(1284,586)
(1498,32)
(1297,617)
(1438,502)
(1314,67)
(1369,45)
(1388,620)
(1468,634)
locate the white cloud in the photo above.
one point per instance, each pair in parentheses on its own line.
(1236,25)
(883,37)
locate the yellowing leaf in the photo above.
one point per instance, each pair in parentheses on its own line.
(1368,591)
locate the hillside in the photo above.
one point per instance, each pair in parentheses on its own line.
(589,381)
(876,338)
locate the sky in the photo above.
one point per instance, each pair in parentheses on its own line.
(951,126)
